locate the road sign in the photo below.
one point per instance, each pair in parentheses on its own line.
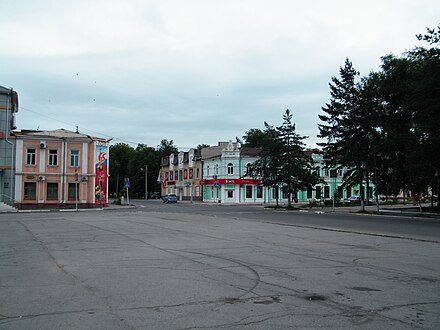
(216,184)
(126,183)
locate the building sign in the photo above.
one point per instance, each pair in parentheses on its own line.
(230,181)
(191,158)
(101,177)
(180,159)
(171,161)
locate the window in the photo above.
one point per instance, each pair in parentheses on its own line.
(72,192)
(318,192)
(197,173)
(230,193)
(326,191)
(30,156)
(339,172)
(53,157)
(309,192)
(52,190)
(318,171)
(30,189)
(207,170)
(216,169)
(284,191)
(230,169)
(326,172)
(74,158)
(340,191)
(249,169)
(259,192)
(249,191)
(180,175)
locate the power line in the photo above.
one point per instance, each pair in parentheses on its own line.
(82,128)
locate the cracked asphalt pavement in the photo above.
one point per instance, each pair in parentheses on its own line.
(176,267)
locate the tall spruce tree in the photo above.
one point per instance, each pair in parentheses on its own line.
(295,165)
(344,127)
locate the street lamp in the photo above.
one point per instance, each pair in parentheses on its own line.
(146,180)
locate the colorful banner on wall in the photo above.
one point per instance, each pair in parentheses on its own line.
(101,167)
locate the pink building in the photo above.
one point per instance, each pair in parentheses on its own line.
(60,169)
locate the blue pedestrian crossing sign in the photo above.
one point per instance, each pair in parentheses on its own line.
(126,183)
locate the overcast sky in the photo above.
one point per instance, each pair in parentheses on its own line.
(192,71)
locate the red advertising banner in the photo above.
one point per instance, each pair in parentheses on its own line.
(101,174)
(230,181)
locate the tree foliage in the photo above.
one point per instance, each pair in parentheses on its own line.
(283,160)
(386,125)
(136,164)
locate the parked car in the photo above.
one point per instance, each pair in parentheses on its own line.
(171,198)
(352,199)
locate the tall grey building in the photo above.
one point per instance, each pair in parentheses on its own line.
(8,109)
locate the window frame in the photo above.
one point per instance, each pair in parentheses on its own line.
(52,159)
(230,169)
(53,188)
(26,189)
(69,190)
(259,191)
(249,169)
(74,157)
(249,191)
(31,157)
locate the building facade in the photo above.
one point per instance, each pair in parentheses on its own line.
(60,169)
(227,175)
(331,187)
(181,174)
(8,109)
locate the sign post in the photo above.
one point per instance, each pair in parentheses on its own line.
(126,186)
(76,191)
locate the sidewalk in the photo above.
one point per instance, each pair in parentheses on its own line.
(398,209)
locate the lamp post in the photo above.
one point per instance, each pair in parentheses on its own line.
(146,182)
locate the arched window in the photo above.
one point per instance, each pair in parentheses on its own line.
(230,168)
(216,169)
(249,169)
(318,171)
(207,170)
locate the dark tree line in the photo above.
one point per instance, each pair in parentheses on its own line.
(129,162)
(386,125)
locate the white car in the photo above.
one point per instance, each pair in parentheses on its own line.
(352,199)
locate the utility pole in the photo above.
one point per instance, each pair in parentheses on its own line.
(146,182)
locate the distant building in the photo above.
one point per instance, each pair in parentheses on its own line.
(8,109)
(180,174)
(60,169)
(227,174)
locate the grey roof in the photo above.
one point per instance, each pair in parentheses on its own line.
(14,97)
(57,134)
(4,90)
